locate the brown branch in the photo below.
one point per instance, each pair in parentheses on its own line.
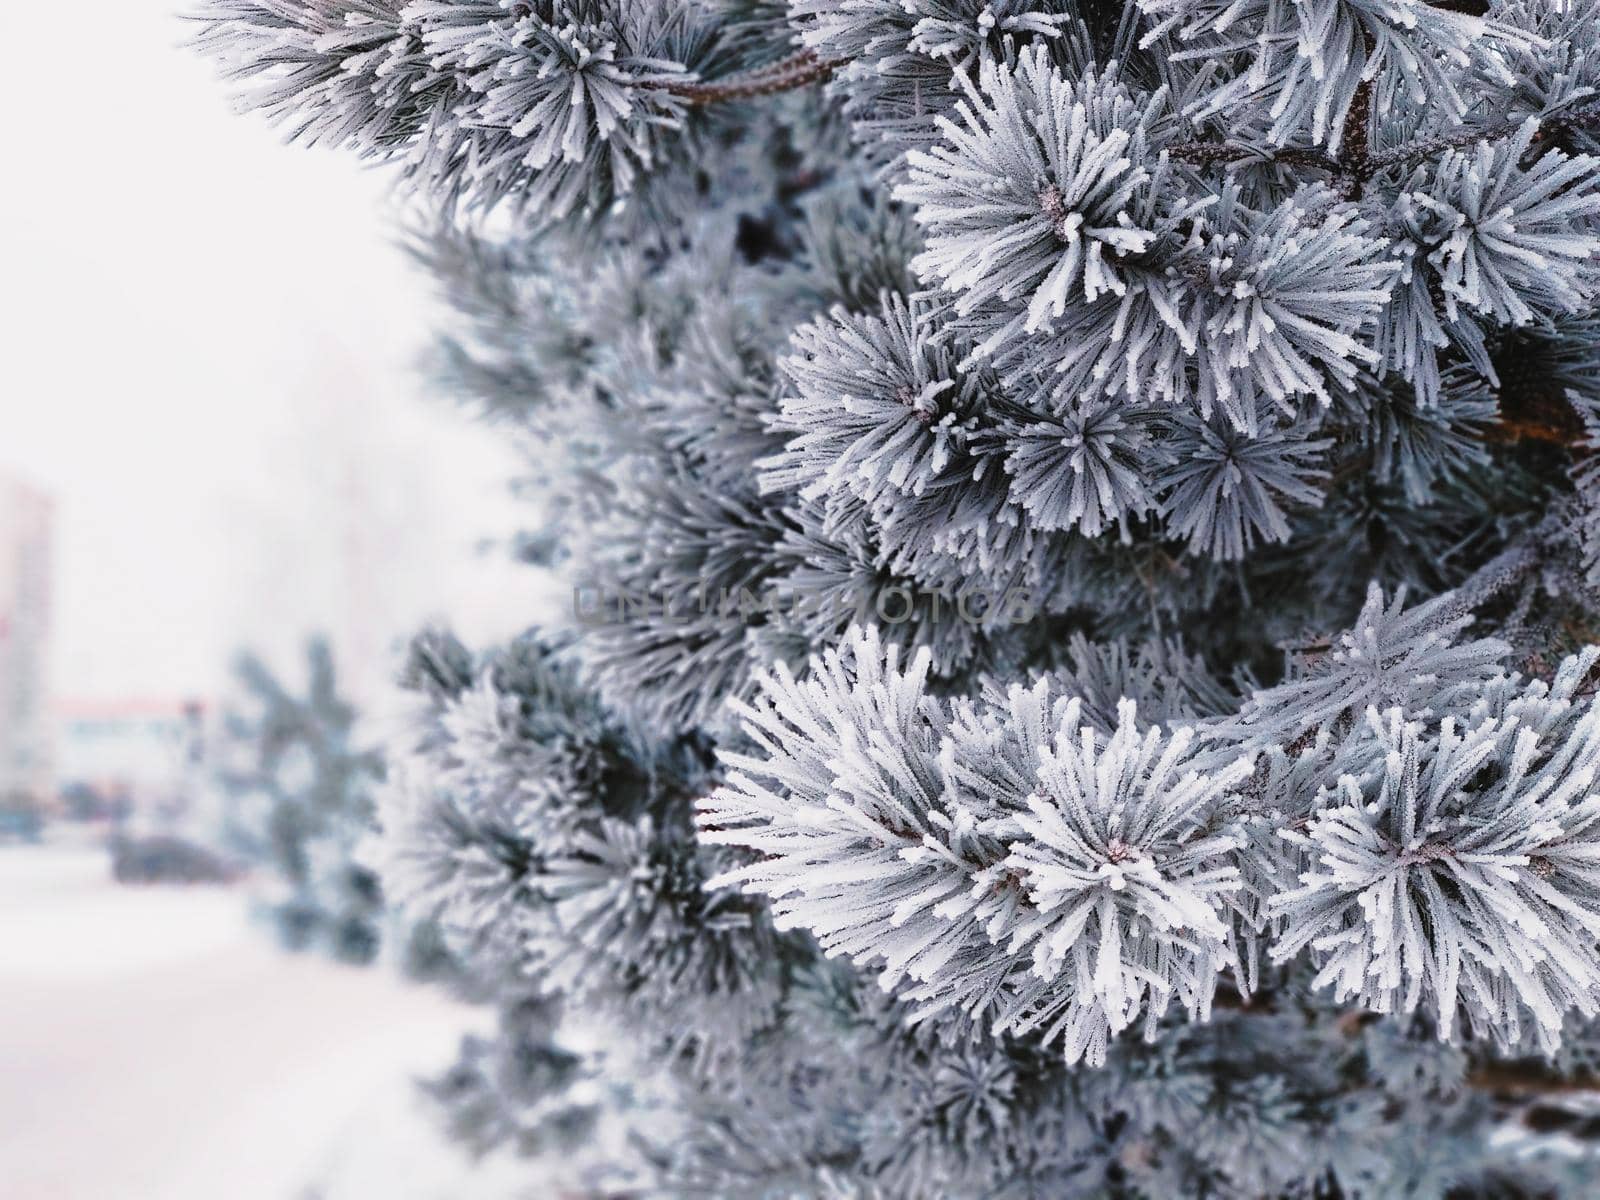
(1552,128)
(1357,163)
(1454,139)
(1532,396)
(798,70)
(1355,141)
(1540,421)
(1205,154)
(1529,1079)
(1352,168)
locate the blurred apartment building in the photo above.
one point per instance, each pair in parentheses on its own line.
(139,757)
(27,517)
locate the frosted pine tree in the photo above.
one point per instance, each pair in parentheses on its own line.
(301,790)
(298,789)
(1084,530)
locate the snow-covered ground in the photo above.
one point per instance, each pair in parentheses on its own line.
(156,1046)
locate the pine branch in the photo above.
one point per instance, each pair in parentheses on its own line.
(1351,169)
(797,71)
(1205,154)
(1535,414)
(1356,163)
(1504,570)
(1551,127)
(1530,1078)
(1355,159)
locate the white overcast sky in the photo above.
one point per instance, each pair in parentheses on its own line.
(210,349)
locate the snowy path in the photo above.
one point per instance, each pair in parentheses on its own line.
(154,1046)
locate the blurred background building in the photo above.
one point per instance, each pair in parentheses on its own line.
(26,751)
(130,756)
